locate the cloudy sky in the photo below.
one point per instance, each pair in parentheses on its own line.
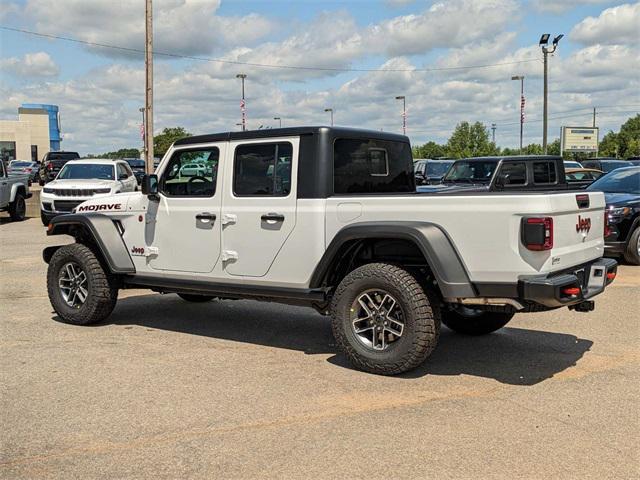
(356,57)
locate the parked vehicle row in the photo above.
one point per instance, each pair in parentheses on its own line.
(81,180)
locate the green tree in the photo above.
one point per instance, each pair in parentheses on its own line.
(629,138)
(429,150)
(163,141)
(609,145)
(470,140)
(553,148)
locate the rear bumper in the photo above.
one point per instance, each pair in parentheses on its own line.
(590,279)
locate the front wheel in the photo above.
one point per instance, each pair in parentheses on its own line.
(632,251)
(18,208)
(80,290)
(383,320)
(470,321)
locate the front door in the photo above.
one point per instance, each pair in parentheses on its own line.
(259,206)
(186,218)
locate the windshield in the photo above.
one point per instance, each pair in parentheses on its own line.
(83,171)
(475,171)
(18,163)
(136,163)
(572,165)
(437,169)
(619,181)
(610,166)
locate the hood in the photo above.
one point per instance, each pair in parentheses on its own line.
(81,183)
(622,199)
(453,188)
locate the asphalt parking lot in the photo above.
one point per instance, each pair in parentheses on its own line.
(239,389)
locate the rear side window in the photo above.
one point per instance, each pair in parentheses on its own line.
(372,166)
(262,170)
(513,173)
(544,172)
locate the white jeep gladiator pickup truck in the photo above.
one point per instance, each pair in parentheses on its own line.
(330,218)
(14,190)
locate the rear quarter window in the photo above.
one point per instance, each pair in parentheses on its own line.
(513,174)
(362,166)
(544,172)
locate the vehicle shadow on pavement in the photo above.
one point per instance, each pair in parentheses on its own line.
(514,356)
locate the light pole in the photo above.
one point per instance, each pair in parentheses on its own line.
(404,113)
(331,111)
(521,78)
(544,42)
(243,109)
(279,120)
(142,134)
(493,133)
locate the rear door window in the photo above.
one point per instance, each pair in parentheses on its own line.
(262,169)
(544,172)
(362,166)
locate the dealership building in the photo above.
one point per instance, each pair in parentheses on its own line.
(36,132)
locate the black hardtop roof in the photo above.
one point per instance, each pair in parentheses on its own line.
(497,158)
(292,131)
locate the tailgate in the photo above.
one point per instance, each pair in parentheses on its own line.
(578,230)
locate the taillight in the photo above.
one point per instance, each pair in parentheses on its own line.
(607,228)
(537,233)
(49,166)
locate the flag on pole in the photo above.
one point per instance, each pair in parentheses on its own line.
(142,131)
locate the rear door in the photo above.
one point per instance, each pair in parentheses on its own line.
(259,206)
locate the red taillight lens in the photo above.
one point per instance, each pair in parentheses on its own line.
(607,228)
(611,276)
(537,233)
(571,291)
(49,166)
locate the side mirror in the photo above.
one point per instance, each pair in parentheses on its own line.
(150,184)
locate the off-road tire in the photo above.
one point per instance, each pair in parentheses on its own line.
(18,208)
(103,292)
(482,324)
(631,254)
(192,297)
(421,317)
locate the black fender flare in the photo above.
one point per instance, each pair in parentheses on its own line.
(105,234)
(431,239)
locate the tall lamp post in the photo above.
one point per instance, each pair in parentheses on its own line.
(330,110)
(493,132)
(521,78)
(546,50)
(243,108)
(279,121)
(404,113)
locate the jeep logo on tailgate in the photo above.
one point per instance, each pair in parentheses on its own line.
(104,206)
(583,225)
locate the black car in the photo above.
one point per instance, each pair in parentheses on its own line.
(138,167)
(622,193)
(429,171)
(518,173)
(51,164)
(605,164)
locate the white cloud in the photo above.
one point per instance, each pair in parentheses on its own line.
(614,26)
(188,27)
(561,6)
(38,64)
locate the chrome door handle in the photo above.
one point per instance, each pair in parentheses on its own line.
(272,217)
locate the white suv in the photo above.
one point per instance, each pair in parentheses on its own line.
(82,180)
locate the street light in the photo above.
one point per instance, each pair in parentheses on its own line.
(242,76)
(493,133)
(279,120)
(404,113)
(330,110)
(544,42)
(521,78)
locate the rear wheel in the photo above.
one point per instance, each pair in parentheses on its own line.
(383,320)
(470,321)
(80,290)
(18,208)
(191,297)
(632,251)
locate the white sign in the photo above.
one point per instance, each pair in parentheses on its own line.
(579,139)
